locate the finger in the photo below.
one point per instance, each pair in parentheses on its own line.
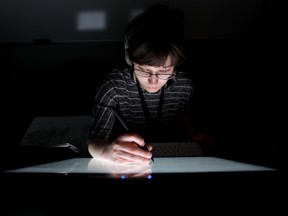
(131,153)
(149,146)
(132,137)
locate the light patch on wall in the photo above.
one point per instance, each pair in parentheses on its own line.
(91,20)
(135,12)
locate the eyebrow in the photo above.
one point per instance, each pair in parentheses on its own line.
(164,67)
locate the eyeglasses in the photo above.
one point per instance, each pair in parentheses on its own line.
(160,75)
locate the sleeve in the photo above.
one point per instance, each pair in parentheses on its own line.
(103,115)
(187,90)
(190,97)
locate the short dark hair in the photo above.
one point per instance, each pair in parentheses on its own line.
(154,35)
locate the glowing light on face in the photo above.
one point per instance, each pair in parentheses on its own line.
(152,78)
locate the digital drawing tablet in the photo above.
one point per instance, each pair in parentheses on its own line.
(161,165)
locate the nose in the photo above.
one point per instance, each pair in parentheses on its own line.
(153,79)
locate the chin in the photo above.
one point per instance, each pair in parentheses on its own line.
(152,90)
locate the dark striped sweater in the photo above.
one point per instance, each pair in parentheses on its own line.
(118,90)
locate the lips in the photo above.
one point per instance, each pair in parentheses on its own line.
(152,89)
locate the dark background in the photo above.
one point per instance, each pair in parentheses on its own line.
(51,68)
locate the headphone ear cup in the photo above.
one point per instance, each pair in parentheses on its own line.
(126,47)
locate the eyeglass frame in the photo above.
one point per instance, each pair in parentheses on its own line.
(156,74)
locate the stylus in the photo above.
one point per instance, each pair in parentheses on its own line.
(127,129)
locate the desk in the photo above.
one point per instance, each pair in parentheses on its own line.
(167,174)
(178,184)
(162,165)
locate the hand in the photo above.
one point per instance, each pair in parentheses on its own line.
(127,149)
(119,170)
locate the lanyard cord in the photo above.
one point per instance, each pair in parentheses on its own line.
(148,116)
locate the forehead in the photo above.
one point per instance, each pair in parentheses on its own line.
(166,64)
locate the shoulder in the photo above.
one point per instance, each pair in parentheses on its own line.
(120,74)
(117,77)
(114,84)
(182,78)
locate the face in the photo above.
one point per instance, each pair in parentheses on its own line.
(151,82)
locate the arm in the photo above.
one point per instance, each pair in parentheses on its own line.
(124,149)
(96,147)
(103,141)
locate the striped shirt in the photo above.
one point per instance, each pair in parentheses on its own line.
(118,91)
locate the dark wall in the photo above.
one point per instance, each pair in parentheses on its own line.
(53,79)
(95,20)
